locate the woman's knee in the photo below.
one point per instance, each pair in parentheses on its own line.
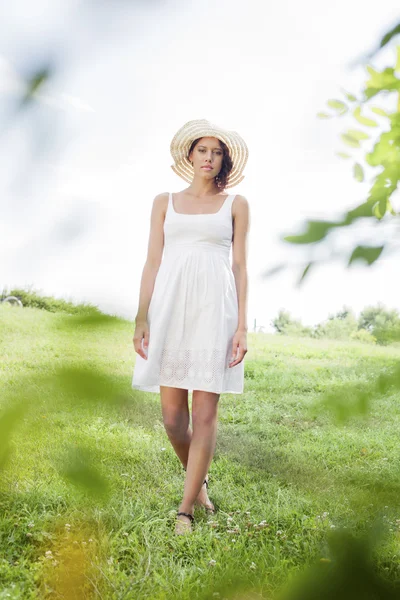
(176,424)
(175,411)
(205,410)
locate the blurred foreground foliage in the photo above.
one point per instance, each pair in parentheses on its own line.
(349,570)
(380,128)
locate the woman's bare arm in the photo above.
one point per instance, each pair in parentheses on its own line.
(239,268)
(239,256)
(150,270)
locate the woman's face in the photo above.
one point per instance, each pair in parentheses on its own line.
(207,157)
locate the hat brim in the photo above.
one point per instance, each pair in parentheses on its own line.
(199,128)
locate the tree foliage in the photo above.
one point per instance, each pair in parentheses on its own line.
(379,129)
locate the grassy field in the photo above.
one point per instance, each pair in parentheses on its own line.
(90,484)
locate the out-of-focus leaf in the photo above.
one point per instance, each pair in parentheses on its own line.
(391,209)
(363,120)
(387,380)
(343,155)
(316,230)
(322,115)
(338,105)
(350,141)
(379,111)
(358,172)
(377,212)
(368,254)
(35,82)
(349,96)
(80,470)
(357,134)
(348,572)
(385,80)
(95,320)
(305,272)
(397,66)
(384,151)
(365,209)
(389,35)
(274,270)
(384,185)
(85,384)
(9,422)
(382,206)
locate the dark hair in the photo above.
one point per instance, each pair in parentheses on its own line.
(222,178)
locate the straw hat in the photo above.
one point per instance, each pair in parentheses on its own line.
(199,128)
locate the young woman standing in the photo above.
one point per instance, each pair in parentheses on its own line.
(191,325)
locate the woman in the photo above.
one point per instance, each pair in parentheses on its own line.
(191,326)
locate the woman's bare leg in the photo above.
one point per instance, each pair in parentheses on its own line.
(175,412)
(176,418)
(202,445)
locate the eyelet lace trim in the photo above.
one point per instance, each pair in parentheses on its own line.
(180,365)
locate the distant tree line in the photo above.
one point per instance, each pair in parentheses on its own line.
(376,324)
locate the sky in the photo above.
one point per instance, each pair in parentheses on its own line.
(79,170)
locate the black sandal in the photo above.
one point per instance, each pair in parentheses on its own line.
(191,517)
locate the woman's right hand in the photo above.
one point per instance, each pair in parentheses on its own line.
(141,333)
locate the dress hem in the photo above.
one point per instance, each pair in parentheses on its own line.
(155,389)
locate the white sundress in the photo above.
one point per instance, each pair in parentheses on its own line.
(193,312)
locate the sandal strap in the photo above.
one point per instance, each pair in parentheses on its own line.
(191,517)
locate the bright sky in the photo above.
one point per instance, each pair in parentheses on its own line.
(75,223)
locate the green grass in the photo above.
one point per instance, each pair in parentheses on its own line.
(89,475)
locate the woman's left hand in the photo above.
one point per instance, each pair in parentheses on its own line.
(239,347)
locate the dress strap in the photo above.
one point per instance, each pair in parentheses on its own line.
(170,207)
(229,202)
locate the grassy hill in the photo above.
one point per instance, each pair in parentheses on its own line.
(89,484)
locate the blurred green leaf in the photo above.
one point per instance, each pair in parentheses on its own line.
(357,134)
(316,230)
(385,80)
(343,155)
(350,141)
(365,209)
(305,272)
(379,111)
(338,105)
(397,65)
(85,383)
(368,254)
(363,120)
(349,96)
(95,320)
(37,80)
(80,470)
(358,172)
(377,212)
(382,206)
(389,35)
(391,209)
(386,381)
(9,421)
(322,115)
(274,270)
(384,185)
(346,572)
(384,151)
